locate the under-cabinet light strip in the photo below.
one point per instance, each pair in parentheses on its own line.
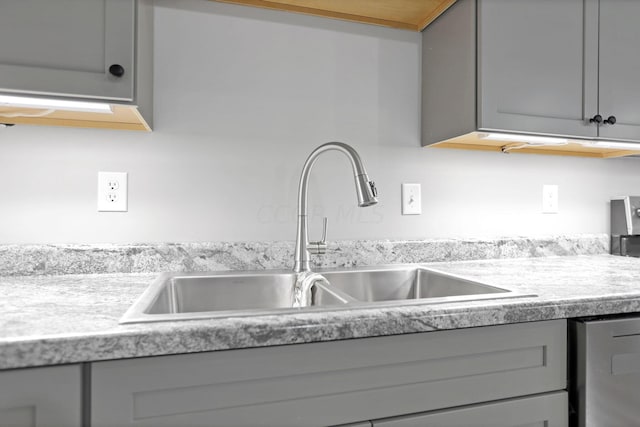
(529,139)
(612,144)
(54,104)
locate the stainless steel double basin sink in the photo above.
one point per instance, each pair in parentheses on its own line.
(184,296)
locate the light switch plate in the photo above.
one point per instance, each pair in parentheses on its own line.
(411,199)
(112,192)
(549,199)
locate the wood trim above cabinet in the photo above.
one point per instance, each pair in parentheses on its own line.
(404,14)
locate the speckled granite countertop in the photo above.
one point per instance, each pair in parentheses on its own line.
(46,320)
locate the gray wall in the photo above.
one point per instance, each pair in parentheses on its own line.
(242,96)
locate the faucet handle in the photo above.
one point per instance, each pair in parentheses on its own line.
(320,247)
(325,221)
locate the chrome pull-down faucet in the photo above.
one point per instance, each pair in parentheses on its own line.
(365,190)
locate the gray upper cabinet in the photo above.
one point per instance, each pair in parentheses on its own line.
(41,397)
(535,74)
(67,48)
(619,87)
(537,67)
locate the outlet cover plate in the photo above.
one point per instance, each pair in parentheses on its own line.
(112,192)
(411,199)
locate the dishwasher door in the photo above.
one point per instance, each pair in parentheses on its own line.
(605,372)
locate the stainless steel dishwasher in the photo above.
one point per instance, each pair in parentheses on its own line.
(605,372)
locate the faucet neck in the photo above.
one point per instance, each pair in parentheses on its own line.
(302,255)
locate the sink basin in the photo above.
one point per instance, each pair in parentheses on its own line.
(182,296)
(372,285)
(174,296)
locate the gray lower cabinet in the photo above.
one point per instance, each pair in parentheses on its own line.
(332,383)
(67,48)
(41,397)
(548,410)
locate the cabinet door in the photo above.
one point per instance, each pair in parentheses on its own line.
(65,47)
(549,410)
(620,68)
(41,397)
(537,65)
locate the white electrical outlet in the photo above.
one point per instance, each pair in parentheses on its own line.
(411,199)
(112,192)
(549,199)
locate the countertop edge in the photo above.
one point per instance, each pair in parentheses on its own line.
(196,336)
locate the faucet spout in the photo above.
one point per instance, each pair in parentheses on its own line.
(365,191)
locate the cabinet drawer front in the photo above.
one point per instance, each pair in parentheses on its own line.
(549,410)
(65,48)
(41,397)
(330,383)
